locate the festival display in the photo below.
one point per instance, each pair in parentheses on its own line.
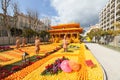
(54,64)
(65,66)
(72,32)
(54,68)
(74,65)
(16,54)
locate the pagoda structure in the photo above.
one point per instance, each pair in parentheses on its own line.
(71,31)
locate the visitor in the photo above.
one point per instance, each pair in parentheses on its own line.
(37,45)
(17,42)
(65,44)
(23,41)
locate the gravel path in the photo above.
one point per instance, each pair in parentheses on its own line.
(109,59)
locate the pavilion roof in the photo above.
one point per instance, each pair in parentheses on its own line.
(67,30)
(72,25)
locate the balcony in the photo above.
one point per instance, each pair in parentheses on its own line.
(112,27)
(108,14)
(112,9)
(108,5)
(112,15)
(103,25)
(108,19)
(113,4)
(104,22)
(112,1)
(104,18)
(118,4)
(108,24)
(118,20)
(108,9)
(100,17)
(118,11)
(112,20)
(118,17)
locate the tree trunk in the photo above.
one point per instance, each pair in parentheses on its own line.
(9,35)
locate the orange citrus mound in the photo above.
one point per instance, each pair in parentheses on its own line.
(24,72)
(36,73)
(43,48)
(33,71)
(4,59)
(18,50)
(14,54)
(74,65)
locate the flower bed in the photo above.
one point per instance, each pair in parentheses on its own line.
(22,73)
(54,68)
(60,76)
(5,48)
(14,68)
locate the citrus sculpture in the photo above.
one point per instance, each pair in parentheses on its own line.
(72,32)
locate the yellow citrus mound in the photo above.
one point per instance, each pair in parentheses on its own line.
(77,58)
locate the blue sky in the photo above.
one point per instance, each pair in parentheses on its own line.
(42,6)
(84,12)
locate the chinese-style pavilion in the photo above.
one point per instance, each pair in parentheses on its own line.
(72,32)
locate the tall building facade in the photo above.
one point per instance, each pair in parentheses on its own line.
(110,14)
(3,29)
(25,22)
(96,26)
(22,22)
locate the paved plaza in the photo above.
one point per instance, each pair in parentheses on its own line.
(108,58)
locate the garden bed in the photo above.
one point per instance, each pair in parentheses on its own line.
(14,67)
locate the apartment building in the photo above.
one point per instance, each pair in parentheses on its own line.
(25,22)
(110,14)
(96,26)
(22,22)
(3,30)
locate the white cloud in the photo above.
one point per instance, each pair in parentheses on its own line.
(55,20)
(86,12)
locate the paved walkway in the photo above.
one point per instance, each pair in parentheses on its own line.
(109,59)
